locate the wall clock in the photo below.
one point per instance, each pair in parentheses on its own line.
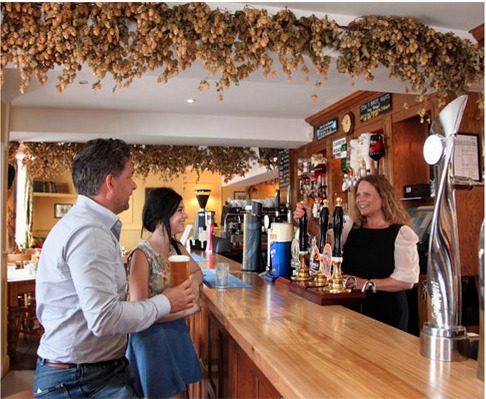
(348,123)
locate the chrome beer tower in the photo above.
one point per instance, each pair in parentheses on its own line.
(442,337)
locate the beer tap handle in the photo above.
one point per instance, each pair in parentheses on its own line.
(289,209)
(277,204)
(337,225)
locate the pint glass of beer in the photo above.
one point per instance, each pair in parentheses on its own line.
(179,269)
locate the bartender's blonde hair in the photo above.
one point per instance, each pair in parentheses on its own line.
(392,207)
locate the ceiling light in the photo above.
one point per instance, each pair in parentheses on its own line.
(190,101)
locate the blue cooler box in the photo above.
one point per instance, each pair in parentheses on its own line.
(280,255)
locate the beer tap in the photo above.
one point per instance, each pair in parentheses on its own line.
(303,242)
(337,227)
(442,337)
(277,205)
(337,284)
(323,225)
(289,209)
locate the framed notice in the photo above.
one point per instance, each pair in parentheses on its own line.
(239,195)
(327,128)
(61,209)
(467,164)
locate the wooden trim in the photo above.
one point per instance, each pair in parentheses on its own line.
(478,33)
(342,106)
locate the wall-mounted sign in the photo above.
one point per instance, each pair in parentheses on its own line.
(375,107)
(336,147)
(327,128)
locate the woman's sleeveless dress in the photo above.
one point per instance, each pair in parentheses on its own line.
(162,358)
(369,253)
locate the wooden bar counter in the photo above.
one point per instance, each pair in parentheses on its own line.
(265,341)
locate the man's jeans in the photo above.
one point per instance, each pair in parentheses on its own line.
(99,380)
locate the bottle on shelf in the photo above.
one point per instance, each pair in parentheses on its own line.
(377,151)
(344,166)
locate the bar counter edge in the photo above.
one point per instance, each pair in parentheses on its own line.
(308,351)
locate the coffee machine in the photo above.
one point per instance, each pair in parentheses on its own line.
(203,220)
(232,225)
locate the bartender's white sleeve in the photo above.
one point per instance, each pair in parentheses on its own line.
(407,267)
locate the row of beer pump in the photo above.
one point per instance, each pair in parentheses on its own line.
(314,264)
(318,264)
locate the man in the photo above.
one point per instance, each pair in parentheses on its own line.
(80,287)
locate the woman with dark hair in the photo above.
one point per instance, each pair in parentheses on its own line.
(162,358)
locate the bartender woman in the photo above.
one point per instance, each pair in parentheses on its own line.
(379,251)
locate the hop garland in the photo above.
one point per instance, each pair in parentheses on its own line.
(128,39)
(48,160)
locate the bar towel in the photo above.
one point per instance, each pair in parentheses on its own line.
(233,282)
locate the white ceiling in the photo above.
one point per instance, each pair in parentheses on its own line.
(265,112)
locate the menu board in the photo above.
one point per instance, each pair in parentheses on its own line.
(375,107)
(283,168)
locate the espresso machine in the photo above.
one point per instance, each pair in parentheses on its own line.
(232,225)
(203,220)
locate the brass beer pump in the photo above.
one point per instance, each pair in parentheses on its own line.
(303,273)
(319,279)
(337,284)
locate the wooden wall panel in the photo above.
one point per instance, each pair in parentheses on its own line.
(406,151)
(470,215)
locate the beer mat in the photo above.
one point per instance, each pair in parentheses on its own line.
(198,258)
(233,282)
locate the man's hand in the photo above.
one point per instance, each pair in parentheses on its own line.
(299,211)
(180,297)
(312,226)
